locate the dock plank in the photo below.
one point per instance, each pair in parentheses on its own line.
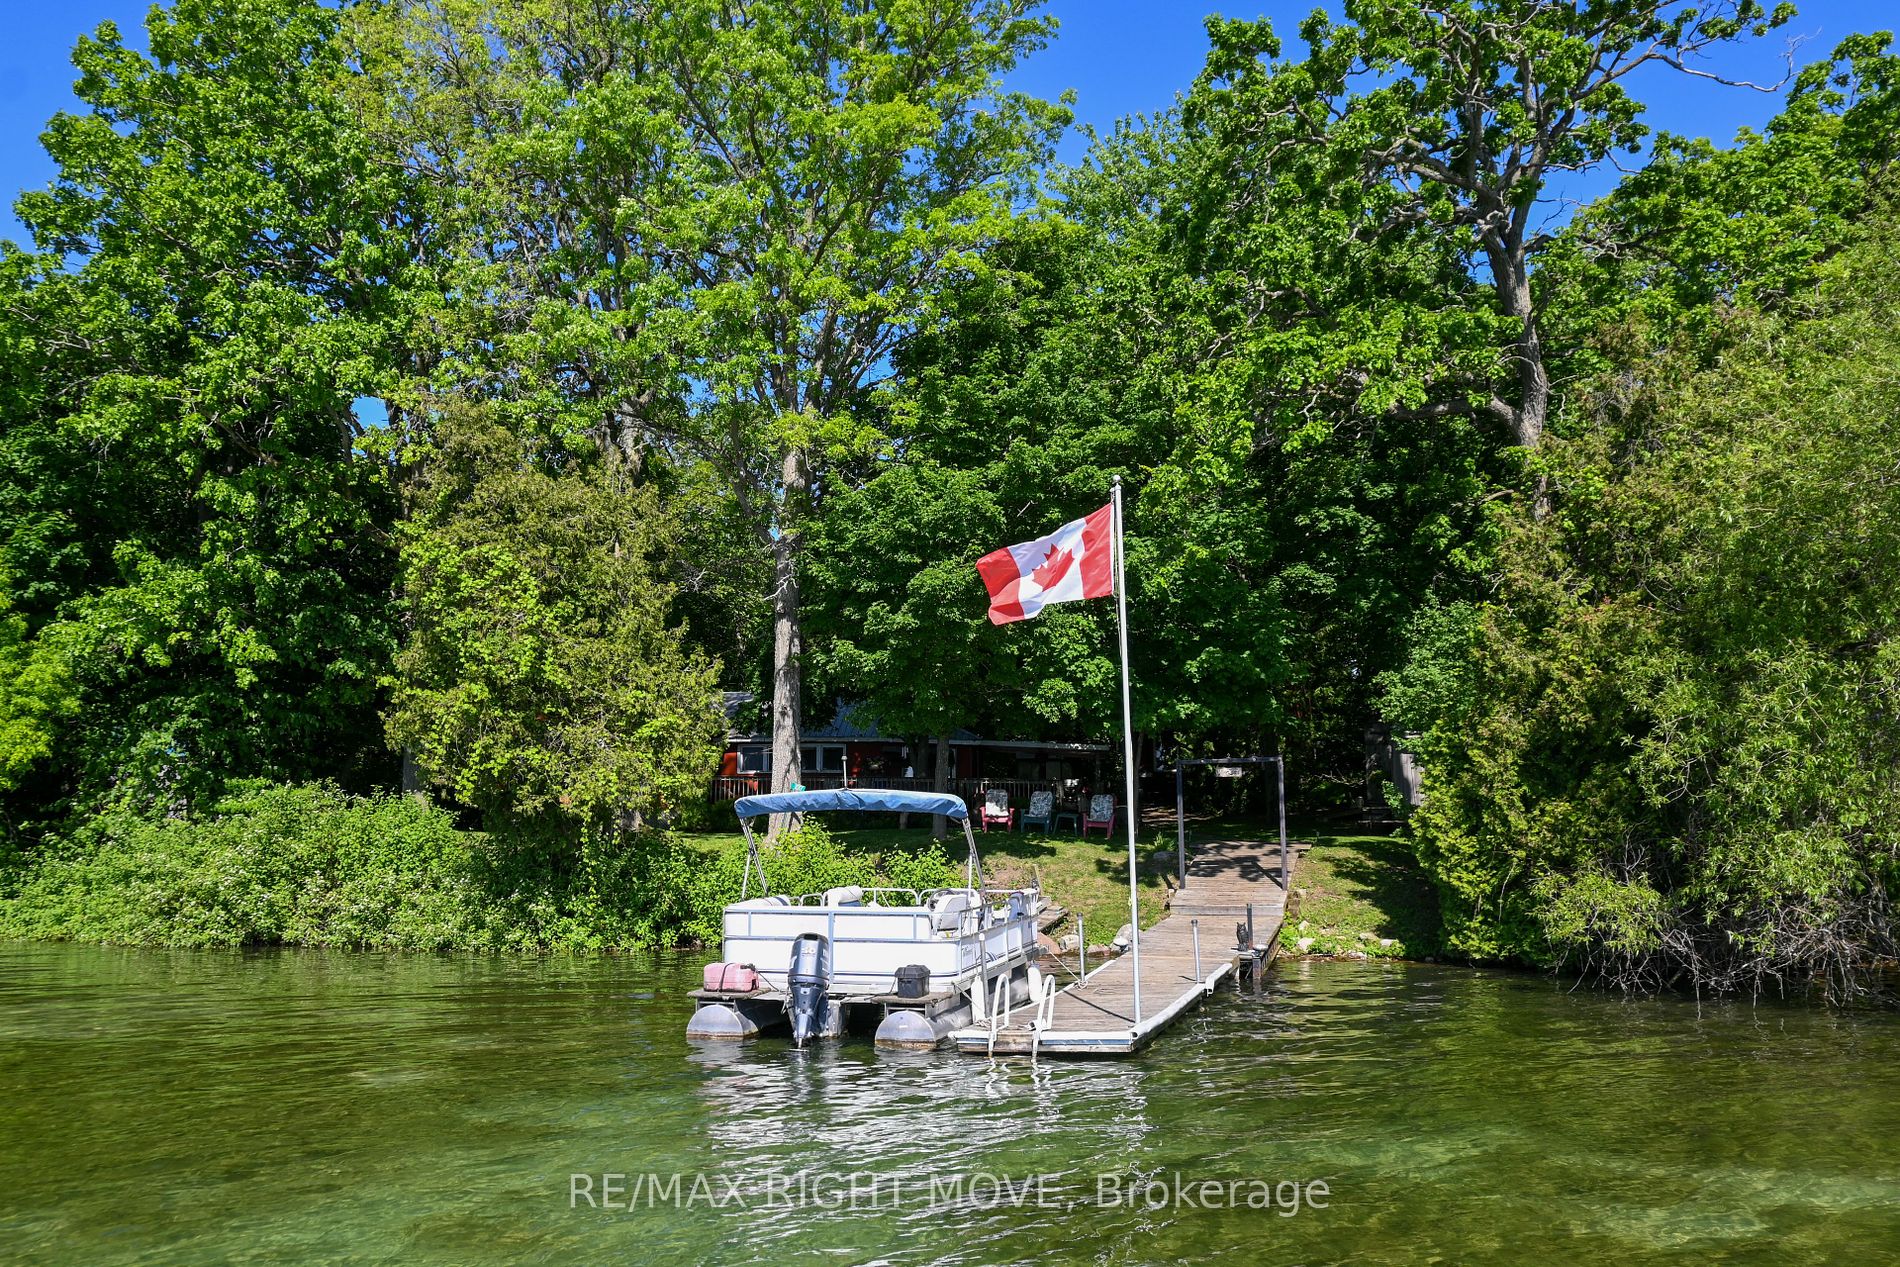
(1098,1016)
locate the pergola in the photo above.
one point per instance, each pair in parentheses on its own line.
(1180,808)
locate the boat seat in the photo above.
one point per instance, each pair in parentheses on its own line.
(761,903)
(845,895)
(947,910)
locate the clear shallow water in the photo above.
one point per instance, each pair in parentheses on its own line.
(197,1108)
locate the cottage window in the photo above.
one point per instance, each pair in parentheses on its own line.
(824,758)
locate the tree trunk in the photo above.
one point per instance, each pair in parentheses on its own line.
(940,782)
(1533,377)
(788,674)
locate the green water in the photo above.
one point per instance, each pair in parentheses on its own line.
(299,1108)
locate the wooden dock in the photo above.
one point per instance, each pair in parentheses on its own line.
(1096,1017)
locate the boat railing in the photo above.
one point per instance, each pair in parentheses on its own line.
(917,898)
(980,916)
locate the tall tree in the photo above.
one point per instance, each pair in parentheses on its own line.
(540,676)
(1667,749)
(1279,538)
(1703,230)
(746,205)
(849,158)
(189,512)
(1455,115)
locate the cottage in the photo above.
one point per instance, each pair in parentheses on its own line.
(848,751)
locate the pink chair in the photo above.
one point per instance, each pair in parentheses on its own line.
(996,809)
(1100,813)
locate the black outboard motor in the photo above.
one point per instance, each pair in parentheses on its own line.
(809,976)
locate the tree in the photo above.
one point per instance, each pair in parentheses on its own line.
(1452,117)
(851,158)
(1006,421)
(540,676)
(728,215)
(188,515)
(1666,750)
(1276,550)
(1701,231)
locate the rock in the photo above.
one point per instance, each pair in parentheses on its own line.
(1098,952)
(1125,936)
(1069,942)
(1368,937)
(1304,944)
(1046,942)
(1354,954)
(1161,858)
(1386,943)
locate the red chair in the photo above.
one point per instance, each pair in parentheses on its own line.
(1100,812)
(996,809)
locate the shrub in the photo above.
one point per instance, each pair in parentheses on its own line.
(308,865)
(267,864)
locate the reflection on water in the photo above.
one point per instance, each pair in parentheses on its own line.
(303,1108)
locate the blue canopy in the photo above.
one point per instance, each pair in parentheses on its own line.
(859,798)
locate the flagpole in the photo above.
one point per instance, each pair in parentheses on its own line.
(1128,744)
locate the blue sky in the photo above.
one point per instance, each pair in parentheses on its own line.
(1120,56)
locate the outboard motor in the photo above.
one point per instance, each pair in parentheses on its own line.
(809,976)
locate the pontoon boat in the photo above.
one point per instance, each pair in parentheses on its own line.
(922,963)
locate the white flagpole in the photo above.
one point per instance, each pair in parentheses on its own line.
(1128,745)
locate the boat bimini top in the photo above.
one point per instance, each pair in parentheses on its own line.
(861,799)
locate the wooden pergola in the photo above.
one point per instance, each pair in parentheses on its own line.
(1180,808)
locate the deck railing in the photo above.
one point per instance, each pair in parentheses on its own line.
(730,787)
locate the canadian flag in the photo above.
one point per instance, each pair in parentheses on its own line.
(1075,561)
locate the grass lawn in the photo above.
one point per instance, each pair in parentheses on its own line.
(1360,893)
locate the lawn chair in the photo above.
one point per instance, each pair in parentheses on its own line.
(1100,813)
(1041,811)
(996,809)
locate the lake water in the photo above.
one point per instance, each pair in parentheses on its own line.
(198,1108)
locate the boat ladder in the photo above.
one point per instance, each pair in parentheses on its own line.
(1042,991)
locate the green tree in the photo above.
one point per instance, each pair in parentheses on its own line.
(540,676)
(1448,120)
(764,198)
(1665,749)
(1700,231)
(188,515)
(36,696)
(1278,540)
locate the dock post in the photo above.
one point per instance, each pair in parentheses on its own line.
(1180,827)
(1082,950)
(1195,924)
(1279,777)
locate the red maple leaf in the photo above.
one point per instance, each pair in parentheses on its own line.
(1054,566)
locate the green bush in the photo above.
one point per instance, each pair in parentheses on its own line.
(307,865)
(295,865)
